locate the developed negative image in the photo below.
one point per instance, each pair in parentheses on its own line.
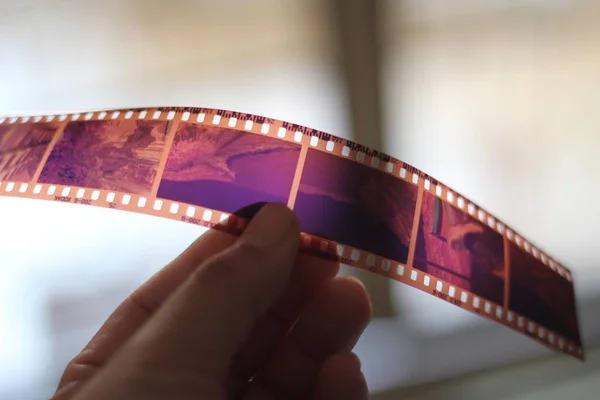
(353,204)
(542,295)
(22,147)
(110,155)
(226,169)
(454,247)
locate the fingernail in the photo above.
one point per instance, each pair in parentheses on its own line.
(250,211)
(274,224)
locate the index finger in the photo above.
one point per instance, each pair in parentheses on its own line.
(143,302)
(140,305)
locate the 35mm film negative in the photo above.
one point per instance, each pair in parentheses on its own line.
(357,206)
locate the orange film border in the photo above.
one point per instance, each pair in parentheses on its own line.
(308,139)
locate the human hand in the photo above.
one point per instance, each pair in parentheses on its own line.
(231,318)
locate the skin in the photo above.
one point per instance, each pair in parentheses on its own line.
(231,318)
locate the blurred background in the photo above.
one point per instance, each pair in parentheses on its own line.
(496,98)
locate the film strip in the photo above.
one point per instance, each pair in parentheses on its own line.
(357,206)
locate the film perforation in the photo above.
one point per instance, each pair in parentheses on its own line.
(487,307)
(451,291)
(415,178)
(426,280)
(414,275)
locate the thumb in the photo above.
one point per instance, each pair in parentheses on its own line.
(196,332)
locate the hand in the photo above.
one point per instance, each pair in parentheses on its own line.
(231,318)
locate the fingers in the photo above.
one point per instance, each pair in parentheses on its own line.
(331,324)
(340,378)
(308,276)
(196,332)
(137,308)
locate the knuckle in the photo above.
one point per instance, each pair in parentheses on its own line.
(246,252)
(80,369)
(218,269)
(231,266)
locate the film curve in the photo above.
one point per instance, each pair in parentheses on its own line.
(357,206)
